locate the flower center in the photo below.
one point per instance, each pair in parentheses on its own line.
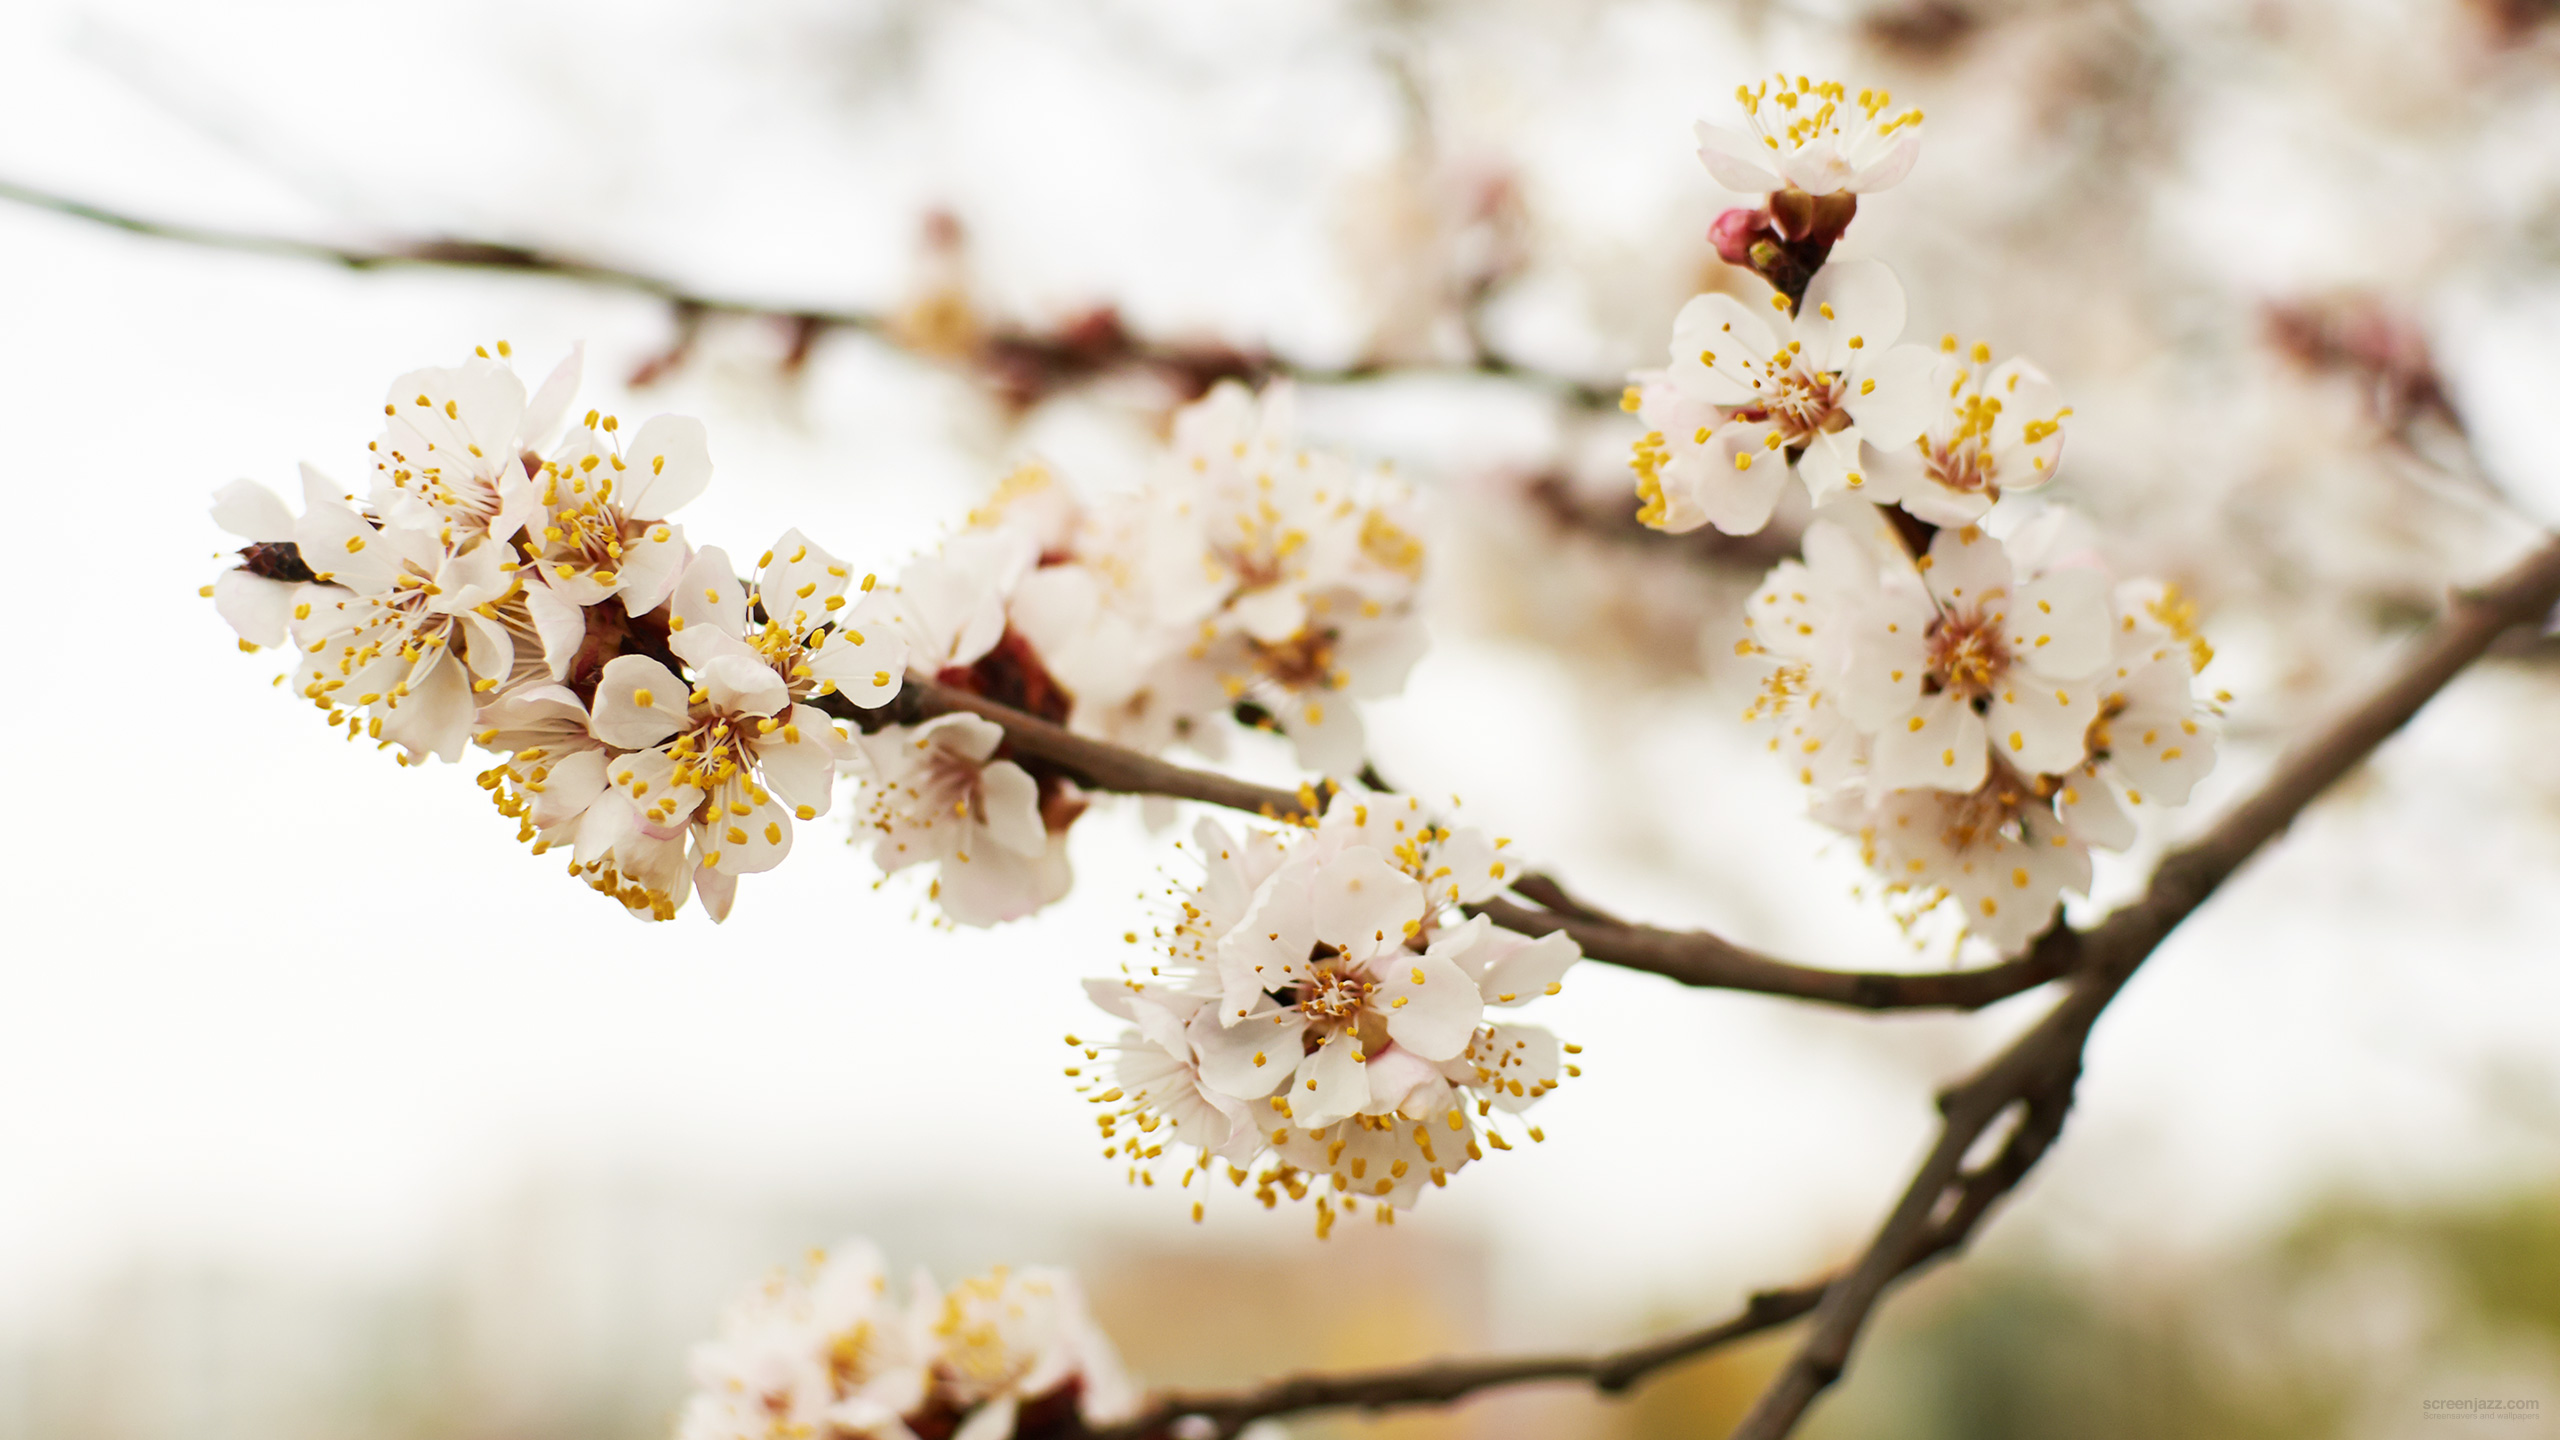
(1965,656)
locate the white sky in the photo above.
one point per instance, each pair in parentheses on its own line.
(268,995)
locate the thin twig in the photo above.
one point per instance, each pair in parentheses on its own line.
(1442,1381)
(1028,362)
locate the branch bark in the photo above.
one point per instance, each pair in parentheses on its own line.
(1026,363)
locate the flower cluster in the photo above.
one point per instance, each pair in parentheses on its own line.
(833,1353)
(1253,578)
(515,582)
(1320,1010)
(508,584)
(1978,711)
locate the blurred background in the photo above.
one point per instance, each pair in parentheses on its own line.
(327,1112)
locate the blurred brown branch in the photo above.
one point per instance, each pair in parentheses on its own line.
(1024,364)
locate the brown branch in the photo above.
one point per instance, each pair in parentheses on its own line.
(1024,363)
(1698,958)
(1442,1381)
(1689,957)
(2041,1067)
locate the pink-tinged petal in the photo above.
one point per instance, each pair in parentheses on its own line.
(710,593)
(1890,397)
(1968,569)
(1886,661)
(1253,1056)
(1362,905)
(740,835)
(434,718)
(717,892)
(2159,746)
(1522,969)
(1326,731)
(1008,806)
(1465,868)
(1739,162)
(561,625)
(1718,349)
(340,546)
(2058,623)
(1373,658)
(638,703)
(800,581)
(1112,997)
(699,645)
(799,761)
(1853,310)
(549,406)
(745,684)
(256,607)
(1268,949)
(669,464)
(1525,1062)
(1431,1005)
(251,511)
(1395,1073)
(319,489)
(2039,727)
(1332,1084)
(1732,481)
(1938,746)
(487,648)
(864,657)
(1271,615)
(2090,812)
(1816,167)
(1832,466)
(569,784)
(996,885)
(650,567)
(1893,167)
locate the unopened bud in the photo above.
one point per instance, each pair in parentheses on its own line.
(1734,231)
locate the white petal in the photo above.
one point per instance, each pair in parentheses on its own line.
(1361,904)
(1523,969)
(254,605)
(1850,301)
(670,464)
(1009,808)
(1332,1084)
(745,684)
(1938,746)
(251,511)
(1890,396)
(2039,727)
(550,403)
(1432,1007)
(710,593)
(2058,623)
(1738,161)
(1252,1057)
(638,703)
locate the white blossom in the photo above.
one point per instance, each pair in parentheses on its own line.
(1808,136)
(260,607)
(1747,396)
(1295,583)
(453,452)
(937,794)
(1993,430)
(1325,986)
(1975,658)
(834,1352)
(408,629)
